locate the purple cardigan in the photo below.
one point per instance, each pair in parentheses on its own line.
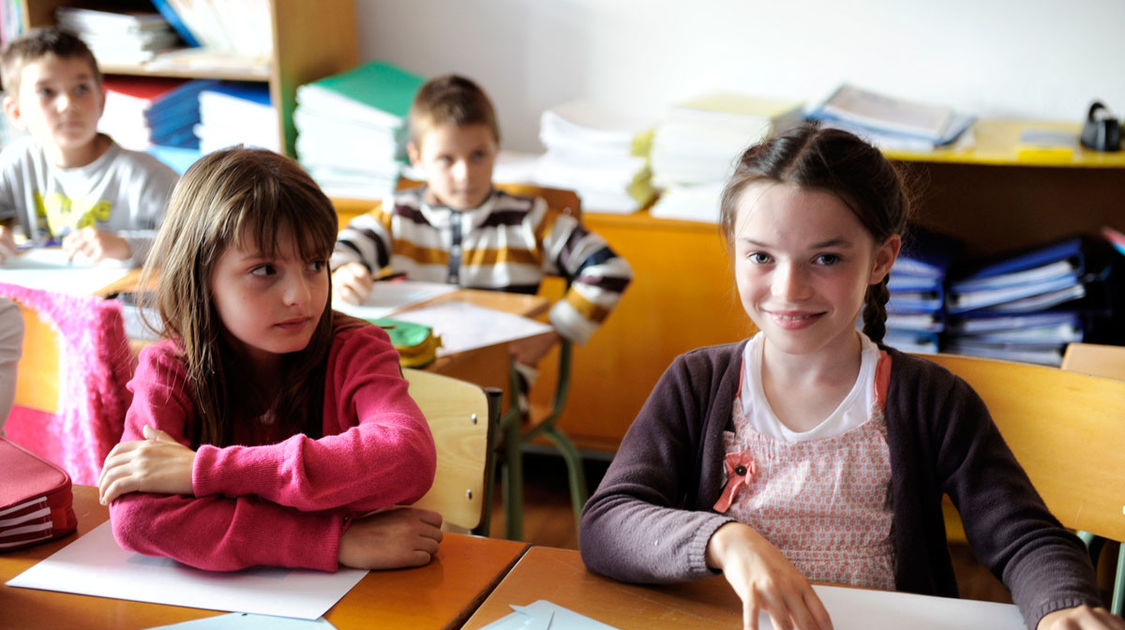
(650,519)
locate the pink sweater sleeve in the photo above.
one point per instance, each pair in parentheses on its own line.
(377,450)
(283,504)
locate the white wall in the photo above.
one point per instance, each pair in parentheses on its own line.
(995,58)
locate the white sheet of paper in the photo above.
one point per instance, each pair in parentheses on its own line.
(95,565)
(864,609)
(49,269)
(247,621)
(388,298)
(463,326)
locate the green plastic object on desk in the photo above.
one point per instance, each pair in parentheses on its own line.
(416,343)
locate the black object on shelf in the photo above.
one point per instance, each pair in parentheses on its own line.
(1102,131)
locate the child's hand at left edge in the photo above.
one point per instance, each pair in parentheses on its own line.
(157,464)
(95,245)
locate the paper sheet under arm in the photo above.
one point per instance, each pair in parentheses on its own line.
(95,565)
(387,298)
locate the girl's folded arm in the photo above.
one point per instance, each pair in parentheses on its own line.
(224,534)
(387,459)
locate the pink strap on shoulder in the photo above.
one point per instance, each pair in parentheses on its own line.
(882,379)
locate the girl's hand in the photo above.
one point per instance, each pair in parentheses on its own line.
(352,282)
(1081,617)
(95,245)
(157,463)
(765,581)
(390,539)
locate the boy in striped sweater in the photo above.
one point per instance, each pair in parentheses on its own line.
(457,228)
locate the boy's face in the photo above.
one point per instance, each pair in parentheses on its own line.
(59,103)
(458,163)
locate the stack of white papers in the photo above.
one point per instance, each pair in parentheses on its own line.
(699,141)
(50,269)
(599,153)
(351,129)
(119,38)
(233,113)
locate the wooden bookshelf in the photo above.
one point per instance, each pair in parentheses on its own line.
(310,40)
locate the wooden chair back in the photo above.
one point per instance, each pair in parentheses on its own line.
(1095,359)
(462,419)
(1066,430)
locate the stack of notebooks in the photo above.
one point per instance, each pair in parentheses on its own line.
(352,129)
(599,153)
(236,29)
(891,123)
(119,37)
(1029,305)
(697,144)
(144,111)
(235,112)
(915,311)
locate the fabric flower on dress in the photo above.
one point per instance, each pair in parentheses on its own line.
(740,468)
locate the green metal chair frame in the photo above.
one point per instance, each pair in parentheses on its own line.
(516,435)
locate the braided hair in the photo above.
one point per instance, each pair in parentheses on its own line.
(838,162)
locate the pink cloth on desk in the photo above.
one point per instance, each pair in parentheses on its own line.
(95,363)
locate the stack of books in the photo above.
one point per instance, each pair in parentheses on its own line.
(599,153)
(119,37)
(697,144)
(236,112)
(891,123)
(144,111)
(915,311)
(352,129)
(1029,305)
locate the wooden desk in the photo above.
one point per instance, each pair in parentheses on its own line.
(558,575)
(439,595)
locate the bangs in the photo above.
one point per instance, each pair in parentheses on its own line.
(294,211)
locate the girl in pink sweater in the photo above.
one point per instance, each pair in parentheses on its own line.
(265,429)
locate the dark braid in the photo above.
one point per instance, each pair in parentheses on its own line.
(875,310)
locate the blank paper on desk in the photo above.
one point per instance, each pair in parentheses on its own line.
(864,609)
(51,270)
(95,565)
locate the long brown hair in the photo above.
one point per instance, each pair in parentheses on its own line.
(225,197)
(840,163)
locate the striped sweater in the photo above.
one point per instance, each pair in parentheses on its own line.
(508,243)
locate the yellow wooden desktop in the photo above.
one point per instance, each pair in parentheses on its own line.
(997,143)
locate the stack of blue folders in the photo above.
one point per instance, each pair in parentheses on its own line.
(1029,306)
(172,118)
(915,311)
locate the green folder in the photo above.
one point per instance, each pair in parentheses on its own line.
(384,90)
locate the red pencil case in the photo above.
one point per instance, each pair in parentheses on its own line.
(36,503)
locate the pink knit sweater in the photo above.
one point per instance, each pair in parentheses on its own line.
(287,503)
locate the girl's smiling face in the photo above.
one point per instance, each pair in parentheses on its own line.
(269,306)
(803,262)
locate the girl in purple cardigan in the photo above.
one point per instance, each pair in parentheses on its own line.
(811,452)
(265,429)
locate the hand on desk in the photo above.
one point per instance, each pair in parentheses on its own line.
(764,580)
(352,282)
(7,243)
(95,245)
(157,463)
(391,539)
(1081,617)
